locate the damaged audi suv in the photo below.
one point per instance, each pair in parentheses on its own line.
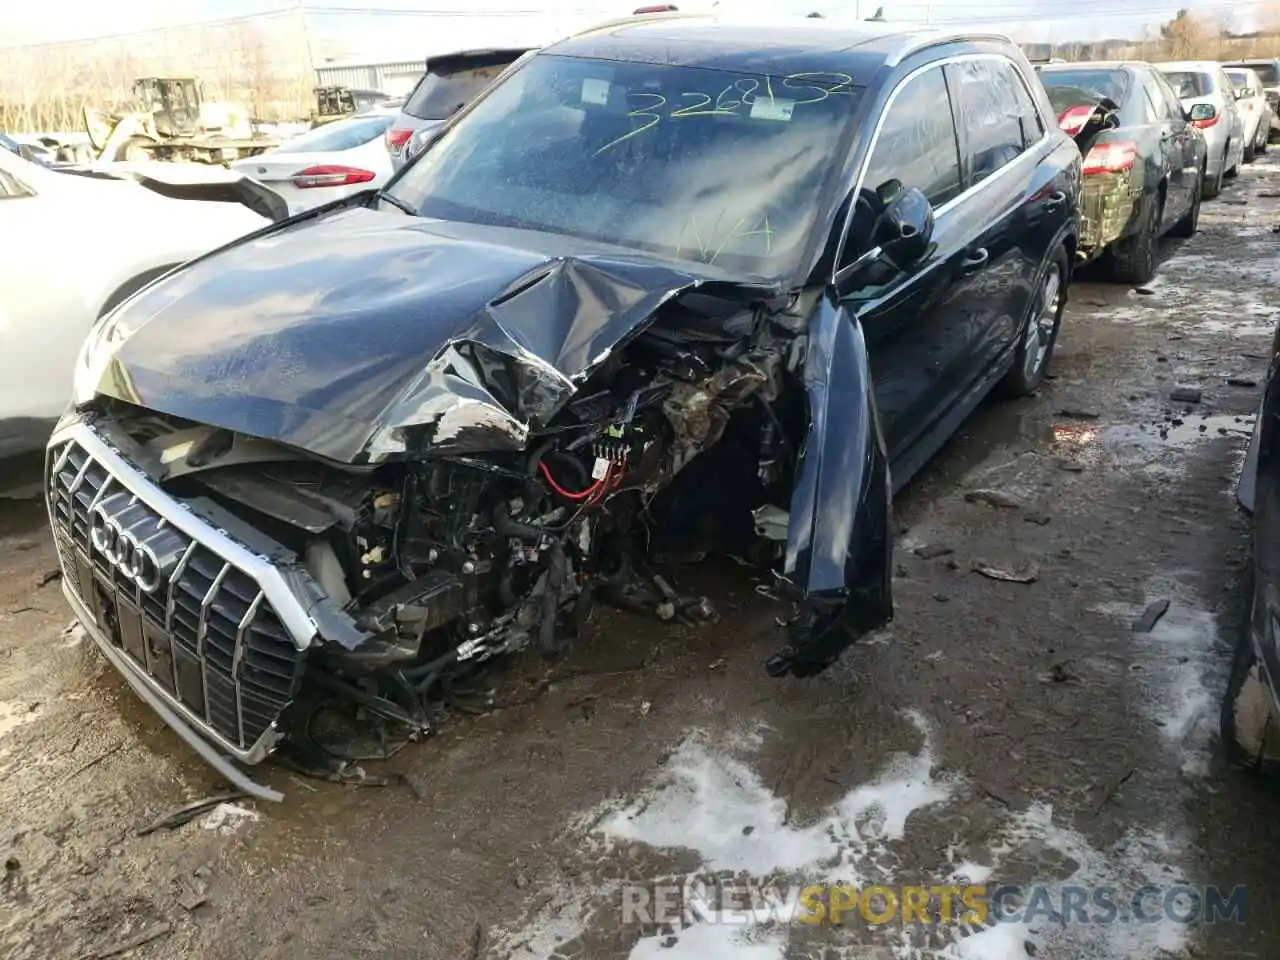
(672,280)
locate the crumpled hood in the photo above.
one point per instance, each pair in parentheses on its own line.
(371,334)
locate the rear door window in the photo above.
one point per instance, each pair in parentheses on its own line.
(1188,84)
(996,113)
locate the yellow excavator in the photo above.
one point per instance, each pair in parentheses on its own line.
(171,120)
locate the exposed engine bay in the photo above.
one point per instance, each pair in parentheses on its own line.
(685,437)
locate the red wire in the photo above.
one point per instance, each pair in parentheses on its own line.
(580,495)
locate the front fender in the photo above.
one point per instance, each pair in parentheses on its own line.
(839,537)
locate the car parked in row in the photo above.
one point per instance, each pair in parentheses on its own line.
(449,83)
(1268,70)
(82,243)
(661,277)
(1145,160)
(327,163)
(1251,98)
(1201,83)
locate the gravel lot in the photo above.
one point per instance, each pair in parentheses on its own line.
(1005,732)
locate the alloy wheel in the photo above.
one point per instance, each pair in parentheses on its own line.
(1043,321)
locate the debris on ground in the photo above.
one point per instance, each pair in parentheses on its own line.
(1151,616)
(1241,382)
(226,817)
(189,811)
(993,498)
(132,943)
(1070,466)
(1024,573)
(1060,673)
(48,577)
(1077,413)
(931,551)
(1185,395)
(1040,519)
(193,895)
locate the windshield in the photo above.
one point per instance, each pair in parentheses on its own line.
(1071,88)
(1266,70)
(339,135)
(1188,83)
(703,165)
(448,86)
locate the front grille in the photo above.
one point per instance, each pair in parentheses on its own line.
(206,633)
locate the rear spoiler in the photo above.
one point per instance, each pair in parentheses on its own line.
(465,58)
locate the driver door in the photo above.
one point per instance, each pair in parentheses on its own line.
(917,325)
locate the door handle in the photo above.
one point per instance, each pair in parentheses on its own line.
(975,259)
(1054,200)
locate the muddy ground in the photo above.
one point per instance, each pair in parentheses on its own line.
(1003,732)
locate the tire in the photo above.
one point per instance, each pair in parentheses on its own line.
(1133,259)
(1248,153)
(1190,222)
(1226,156)
(1264,137)
(1213,186)
(1039,334)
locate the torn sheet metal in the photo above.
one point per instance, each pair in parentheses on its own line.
(371,335)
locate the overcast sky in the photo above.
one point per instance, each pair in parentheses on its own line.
(371,24)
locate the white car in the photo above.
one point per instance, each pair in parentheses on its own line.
(1251,98)
(325,164)
(77,243)
(1203,83)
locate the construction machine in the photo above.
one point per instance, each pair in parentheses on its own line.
(334,103)
(171,120)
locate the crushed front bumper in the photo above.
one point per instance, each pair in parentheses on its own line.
(205,628)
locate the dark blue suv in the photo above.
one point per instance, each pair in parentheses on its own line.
(673,282)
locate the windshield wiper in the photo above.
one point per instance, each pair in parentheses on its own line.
(398,204)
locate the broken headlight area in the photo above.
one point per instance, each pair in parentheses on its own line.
(418,572)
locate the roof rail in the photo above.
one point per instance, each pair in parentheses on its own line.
(923,40)
(672,14)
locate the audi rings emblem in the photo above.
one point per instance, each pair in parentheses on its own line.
(135,561)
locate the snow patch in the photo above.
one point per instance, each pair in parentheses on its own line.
(706,941)
(709,800)
(706,799)
(1177,659)
(1139,858)
(15,715)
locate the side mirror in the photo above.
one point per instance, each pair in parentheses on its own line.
(900,238)
(904,230)
(1202,111)
(1241,93)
